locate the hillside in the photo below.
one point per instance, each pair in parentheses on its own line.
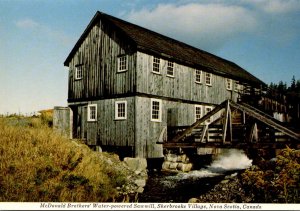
(38,165)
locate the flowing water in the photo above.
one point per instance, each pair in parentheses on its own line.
(180,187)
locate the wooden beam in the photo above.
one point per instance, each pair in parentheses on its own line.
(203,134)
(237,145)
(199,122)
(226,122)
(266,119)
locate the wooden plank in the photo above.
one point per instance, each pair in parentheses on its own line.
(225,124)
(199,122)
(237,145)
(268,120)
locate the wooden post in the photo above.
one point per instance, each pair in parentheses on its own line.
(203,134)
(227,127)
(226,122)
(253,133)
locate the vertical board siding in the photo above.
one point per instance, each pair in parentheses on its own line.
(148,132)
(62,121)
(98,56)
(107,131)
(182,86)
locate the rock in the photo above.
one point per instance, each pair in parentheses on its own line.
(140,182)
(166,165)
(225,181)
(140,190)
(193,200)
(171,157)
(136,164)
(234,174)
(173,165)
(186,167)
(137,172)
(179,166)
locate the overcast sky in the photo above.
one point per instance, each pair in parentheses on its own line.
(37,35)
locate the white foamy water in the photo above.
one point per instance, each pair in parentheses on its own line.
(232,159)
(229,160)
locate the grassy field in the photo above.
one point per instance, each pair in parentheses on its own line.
(38,165)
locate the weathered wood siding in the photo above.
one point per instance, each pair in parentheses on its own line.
(62,121)
(148,132)
(98,56)
(107,130)
(182,85)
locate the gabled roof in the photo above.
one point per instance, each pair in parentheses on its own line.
(155,43)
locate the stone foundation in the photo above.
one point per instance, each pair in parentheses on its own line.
(177,163)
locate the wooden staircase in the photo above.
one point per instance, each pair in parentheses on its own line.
(237,124)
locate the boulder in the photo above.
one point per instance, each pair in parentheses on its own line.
(166,165)
(140,182)
(171,157)
(173,165)
(136,164)
(193,200)
(186,167)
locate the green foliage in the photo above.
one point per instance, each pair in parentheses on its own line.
(275,182)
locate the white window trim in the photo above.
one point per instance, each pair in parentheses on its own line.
(159,111)
(237,86)
(116,110)
(169,75)
(210,81)
(89,119)
(201,109)
(198,82)
(228,81)
(159,69)
(77,69)
(119,60)
(205,112)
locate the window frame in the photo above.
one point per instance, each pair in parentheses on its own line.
(198,73)
(117,103)
(89,114)
(170,68)
(201,112)
(78,69)
(154,58)
(237,86)
(159,119)
(210,79)
(229,84)
(119,63)
(206,112)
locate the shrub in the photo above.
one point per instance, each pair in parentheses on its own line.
(275,181)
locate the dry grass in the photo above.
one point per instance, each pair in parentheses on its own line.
(39,165)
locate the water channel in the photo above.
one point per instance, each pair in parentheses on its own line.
(180,187)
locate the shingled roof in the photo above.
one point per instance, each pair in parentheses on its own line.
(150,41)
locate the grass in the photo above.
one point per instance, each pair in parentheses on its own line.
(38,165)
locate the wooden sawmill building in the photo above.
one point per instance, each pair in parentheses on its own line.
(128,84)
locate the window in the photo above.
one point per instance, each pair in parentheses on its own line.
(156,65)
(122,63)
(198,112)
(198,76)
(208,79)
(78,72)
(92,112)
(228,84)
(121,110)
(237,86)
(156,110)
(207,110)
(170,69)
